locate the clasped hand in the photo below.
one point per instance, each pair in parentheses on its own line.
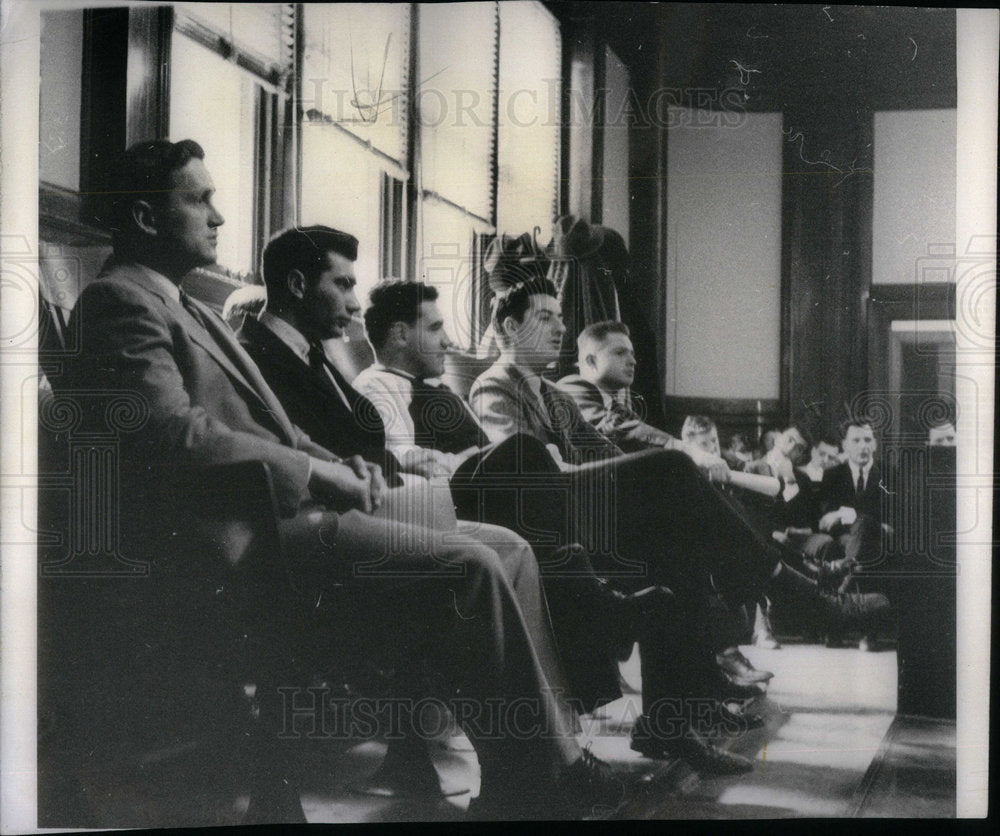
(351,483)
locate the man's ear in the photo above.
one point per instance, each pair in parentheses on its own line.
(144,216)
(590,360)
(399,333)
(295,282)
(509,326)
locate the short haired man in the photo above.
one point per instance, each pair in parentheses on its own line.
(601,389)
(941,435)
(850,502)
(207,404)
(425,421)
(822,456)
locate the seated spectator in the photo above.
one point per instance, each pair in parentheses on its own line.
(737,451)
(822,456)
(607,366)
(942,435)
(601,389)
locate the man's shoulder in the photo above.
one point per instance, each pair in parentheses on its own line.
(499,374)
(578,386)
(375,379)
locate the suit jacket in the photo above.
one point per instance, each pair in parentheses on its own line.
(202,407)
(313,403)
(506,405)
(622,424)
(838,489)
(159,396)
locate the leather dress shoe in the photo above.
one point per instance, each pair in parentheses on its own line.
(739,669)
(590,787)
(689,746)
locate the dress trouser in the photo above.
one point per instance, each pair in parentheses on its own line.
(447,598)
(645,518)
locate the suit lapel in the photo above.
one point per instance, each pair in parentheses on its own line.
(196,331)
(524,395)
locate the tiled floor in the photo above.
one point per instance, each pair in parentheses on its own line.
(827,713)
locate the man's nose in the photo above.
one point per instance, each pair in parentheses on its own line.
(446,342)
(351,303)
(215,218)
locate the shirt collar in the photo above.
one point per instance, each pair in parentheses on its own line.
(163,284)
(855,469)
(382,367)
(288,334)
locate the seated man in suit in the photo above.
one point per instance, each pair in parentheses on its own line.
(205,402)
(850,507)
(601,389)
(309,274)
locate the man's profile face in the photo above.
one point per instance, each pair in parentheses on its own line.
(187,222)
(539,335)
(943,436)
(612,363)
(859,444)
(826,455)
(329,302)
(428,342)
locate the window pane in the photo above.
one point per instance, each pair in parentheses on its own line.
(341,182)
(213,103)
(616,126)
(355,69)
(528,118)
(253,26)
(59,99)
(455,101)
(447,264)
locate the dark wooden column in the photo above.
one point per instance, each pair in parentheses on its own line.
(826,259)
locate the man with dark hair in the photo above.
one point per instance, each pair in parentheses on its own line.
(309,275)
(448,602)
(423,417)
(601,389)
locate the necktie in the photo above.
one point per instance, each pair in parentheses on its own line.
(321,365)
(226,341)
(860,487)
(441,419)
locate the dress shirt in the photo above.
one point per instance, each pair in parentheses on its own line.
(297,342)
(391,391)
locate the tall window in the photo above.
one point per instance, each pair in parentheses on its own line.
(219,117)
(354,95)
(228,62)
(529,118)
